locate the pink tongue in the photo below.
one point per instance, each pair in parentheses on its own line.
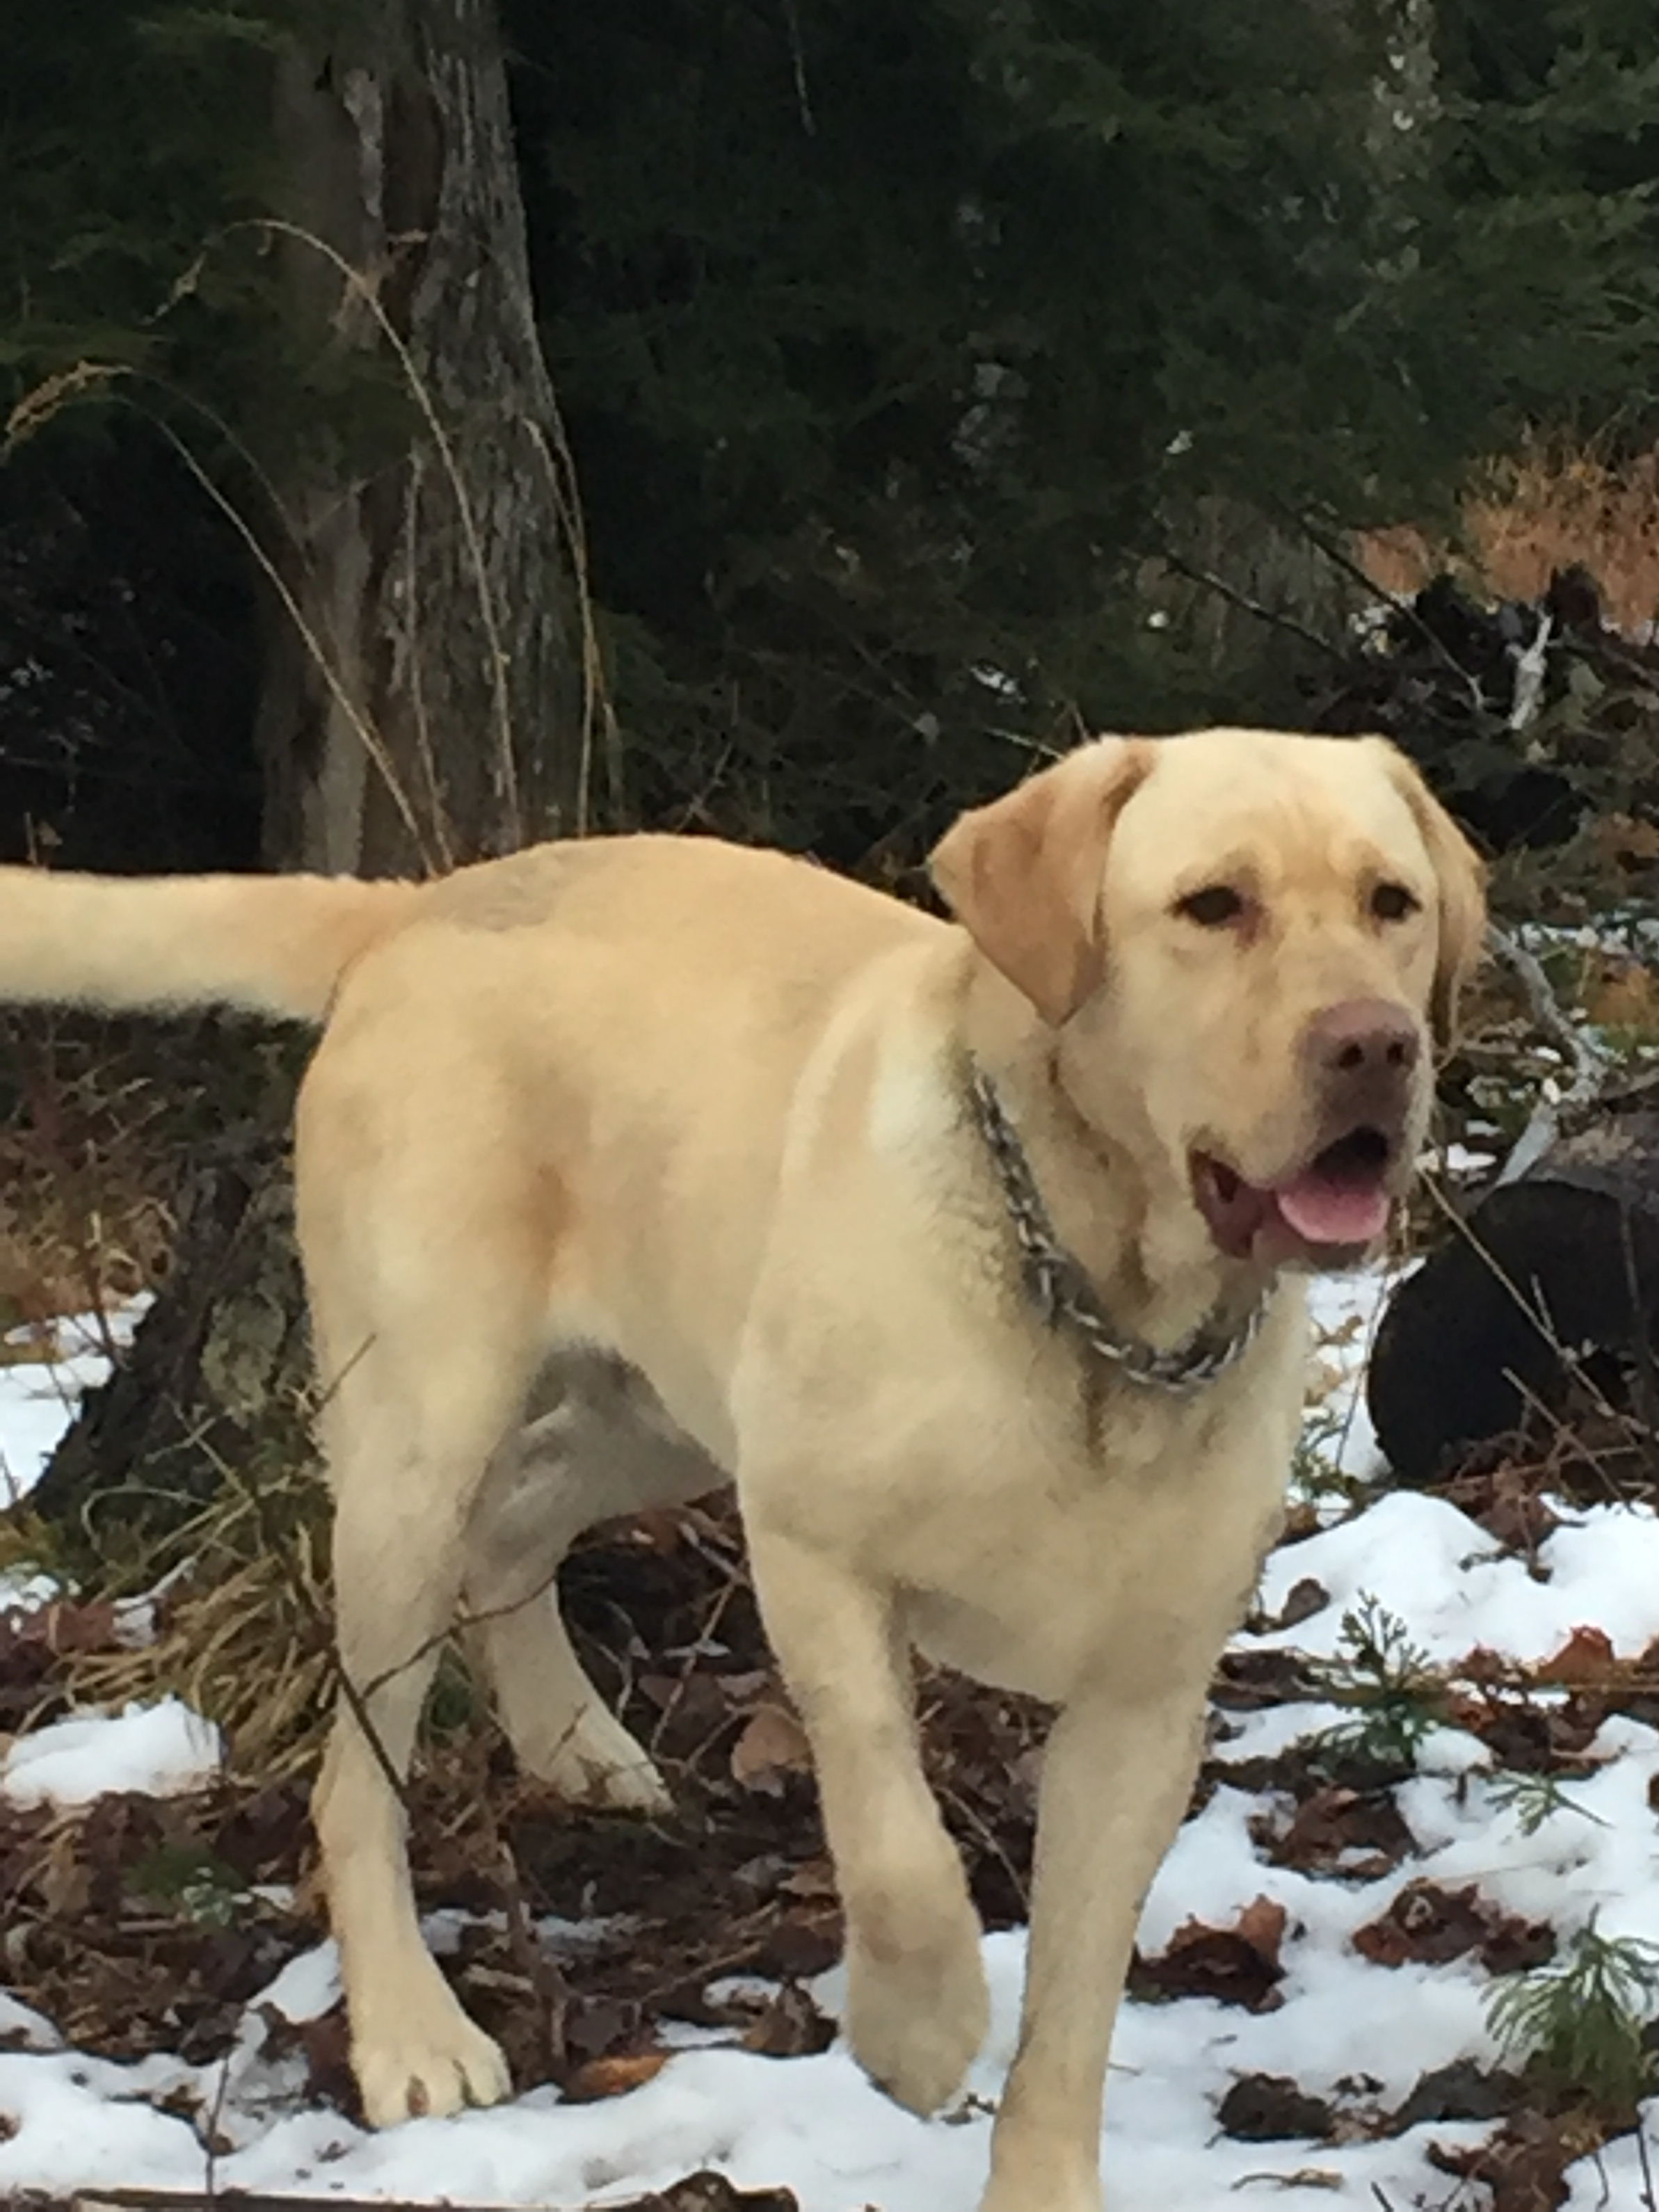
(1327,1210)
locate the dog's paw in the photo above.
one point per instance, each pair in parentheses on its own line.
(428,2068)
(1036,2191)
(635,1787)
(917,2012)
(593,1761)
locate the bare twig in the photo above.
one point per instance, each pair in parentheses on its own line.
(365,734)
(703,2192)
(463,1620)
(1536,1313)
(1242,601)
(798,60)
(1403,607)
(597,712)
(210,2170)
(1529,667)
(543,1973)
(1590,1063)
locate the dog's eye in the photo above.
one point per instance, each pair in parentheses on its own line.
(1393,902)
(1213,907)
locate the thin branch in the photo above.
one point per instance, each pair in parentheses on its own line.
(797,61)
(367,735)
(1403,607)
(1530,665)
(1533,1310)
(1590,1062)
(1242,601)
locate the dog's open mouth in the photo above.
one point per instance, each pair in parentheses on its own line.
(1327,1212)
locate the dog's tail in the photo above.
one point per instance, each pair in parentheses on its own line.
(274,944)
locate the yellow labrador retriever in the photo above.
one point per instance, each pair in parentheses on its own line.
(971,1252)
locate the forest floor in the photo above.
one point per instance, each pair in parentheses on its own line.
(1431,1780)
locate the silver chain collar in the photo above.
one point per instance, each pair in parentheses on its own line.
(1063,1293)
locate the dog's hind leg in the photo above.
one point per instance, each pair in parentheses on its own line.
(408,1429)
(602,1448)
(560,1728)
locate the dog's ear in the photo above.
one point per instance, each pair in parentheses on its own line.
(1022,876)
(1461,875)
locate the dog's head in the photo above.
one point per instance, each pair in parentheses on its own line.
(1250,943)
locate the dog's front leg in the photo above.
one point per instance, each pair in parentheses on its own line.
(1115,1782)
(917,2001)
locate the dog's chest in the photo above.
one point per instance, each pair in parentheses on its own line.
(1040,1574)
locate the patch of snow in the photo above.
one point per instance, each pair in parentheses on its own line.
(1345,1312)
(1460,1160)
(161,1750)
(22,2028)
(1423,1560)
(24,1590)
(308,1986)
(39,1397)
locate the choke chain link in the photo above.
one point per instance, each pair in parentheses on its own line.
(1063,1293)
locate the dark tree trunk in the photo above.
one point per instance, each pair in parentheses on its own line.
(426,699)
(219,1361)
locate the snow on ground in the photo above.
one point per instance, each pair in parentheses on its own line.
(43,1372)
(160,1750)
(1362,2032)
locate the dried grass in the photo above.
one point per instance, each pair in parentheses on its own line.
(1546,508)
(84,1217)
(245,1628)
(101,1122)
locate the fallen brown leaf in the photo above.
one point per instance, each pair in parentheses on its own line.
(773,1746)
(789,2025)
(1429,1926)
(1523,2166)
(1358,1834)
(600,2078)
(1586,1656)
(1238,1964)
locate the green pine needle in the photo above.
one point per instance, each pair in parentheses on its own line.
(1577,2025)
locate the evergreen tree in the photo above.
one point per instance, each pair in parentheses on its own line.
(891,345)
(289,243)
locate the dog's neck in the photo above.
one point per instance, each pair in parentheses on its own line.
(1119,1210)
(1064,1295)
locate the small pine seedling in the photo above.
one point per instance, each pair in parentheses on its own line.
(1390,1683)
(1534,1798)
(1576,2025)
(1315,1468)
